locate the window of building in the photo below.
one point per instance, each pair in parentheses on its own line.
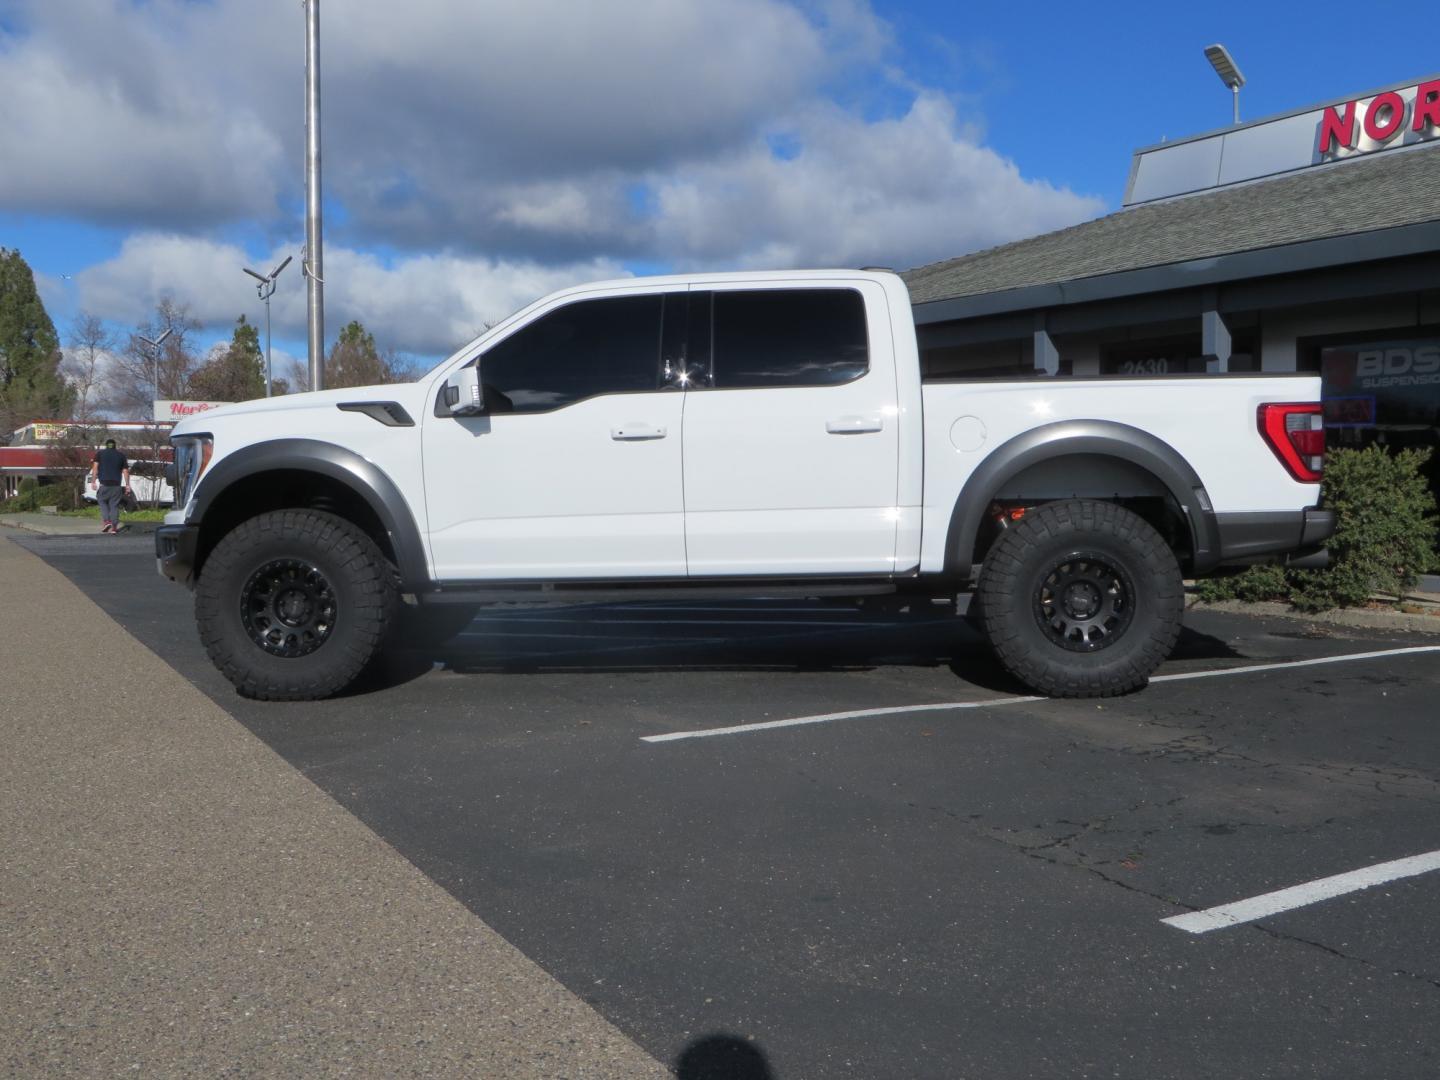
(1382,386)
(788,337)
(579,351)
(1179,354)
(1008,359)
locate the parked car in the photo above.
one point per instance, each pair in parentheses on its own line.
(144,491)
(758,434)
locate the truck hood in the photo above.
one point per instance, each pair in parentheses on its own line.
(407,394)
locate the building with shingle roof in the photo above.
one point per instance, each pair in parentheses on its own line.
(1278,245)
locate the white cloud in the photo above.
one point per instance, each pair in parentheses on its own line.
(517,146)
(426,304)
(899,193)
(119,124)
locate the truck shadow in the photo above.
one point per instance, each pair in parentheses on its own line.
(779,636)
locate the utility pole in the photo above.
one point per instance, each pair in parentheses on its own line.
(153,348)
(265,290)
(313,262)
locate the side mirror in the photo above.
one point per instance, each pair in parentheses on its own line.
(463,394)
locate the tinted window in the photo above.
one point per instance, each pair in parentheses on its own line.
(789,337)
(578,351)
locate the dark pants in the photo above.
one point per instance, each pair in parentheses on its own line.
(110,496)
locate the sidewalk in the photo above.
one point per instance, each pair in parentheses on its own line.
(177,900)
(55,525)
(1419,613)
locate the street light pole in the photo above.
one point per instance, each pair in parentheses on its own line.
(1229,73)
(266,289)
(313,263)
(153,348)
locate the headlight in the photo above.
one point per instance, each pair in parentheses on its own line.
(192,455)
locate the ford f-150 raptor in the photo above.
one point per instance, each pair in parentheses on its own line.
(757,434)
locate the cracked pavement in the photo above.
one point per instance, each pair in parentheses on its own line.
(930,894)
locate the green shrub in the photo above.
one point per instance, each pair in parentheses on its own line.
(32,496)
(1384,538)
(1385,533)
(24,499)
(1254,584)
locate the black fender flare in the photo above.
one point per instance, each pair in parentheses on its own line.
(1102,438)
(363,477)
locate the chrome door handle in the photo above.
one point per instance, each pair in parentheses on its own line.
(636,433)
(854,425)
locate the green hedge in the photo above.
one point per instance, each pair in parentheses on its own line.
(1384,538)
(32,496)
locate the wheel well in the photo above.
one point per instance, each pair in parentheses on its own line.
(285,489)
(1089,476)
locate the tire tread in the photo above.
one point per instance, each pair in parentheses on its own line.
(1003,602)
(370,578)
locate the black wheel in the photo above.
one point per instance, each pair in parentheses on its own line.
(1081,599)
(293,604)
(428,625)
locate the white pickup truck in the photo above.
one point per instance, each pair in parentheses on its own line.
(144,491)
(760,434)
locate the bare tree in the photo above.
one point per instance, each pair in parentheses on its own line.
(296,377)
(150,455)
(71,456)
(133,382)
(90,343)
(401,367)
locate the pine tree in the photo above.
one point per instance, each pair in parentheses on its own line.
(31,385)
(234,374)
(354,360)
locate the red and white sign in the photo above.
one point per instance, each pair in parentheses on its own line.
(179,410)
(1370,124)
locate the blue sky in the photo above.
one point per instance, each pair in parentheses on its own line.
(479,154)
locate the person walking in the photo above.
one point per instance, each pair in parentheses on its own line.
(111,469)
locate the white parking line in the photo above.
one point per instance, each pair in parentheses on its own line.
(1246,670)
(770,725)
(1312,892)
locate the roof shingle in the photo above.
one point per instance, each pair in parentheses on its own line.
(1360,195)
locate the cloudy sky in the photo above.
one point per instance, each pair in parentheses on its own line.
(479,153)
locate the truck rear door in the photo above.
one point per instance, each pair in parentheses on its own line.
(791,430)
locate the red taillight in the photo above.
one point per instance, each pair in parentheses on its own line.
(1296,433)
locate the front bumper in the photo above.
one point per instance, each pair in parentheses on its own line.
(175,549)
(1247,538)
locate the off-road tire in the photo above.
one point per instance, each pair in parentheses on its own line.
(327,556)
(1081,598)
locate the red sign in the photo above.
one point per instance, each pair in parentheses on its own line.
(179,410)
(1385,116)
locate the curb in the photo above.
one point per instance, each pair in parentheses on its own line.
(1366,620)
(34,528)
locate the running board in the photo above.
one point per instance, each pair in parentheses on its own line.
(610,593)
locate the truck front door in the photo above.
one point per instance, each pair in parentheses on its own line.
(574,469)
(791,431)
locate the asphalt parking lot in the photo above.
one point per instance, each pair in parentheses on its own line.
(892,888)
